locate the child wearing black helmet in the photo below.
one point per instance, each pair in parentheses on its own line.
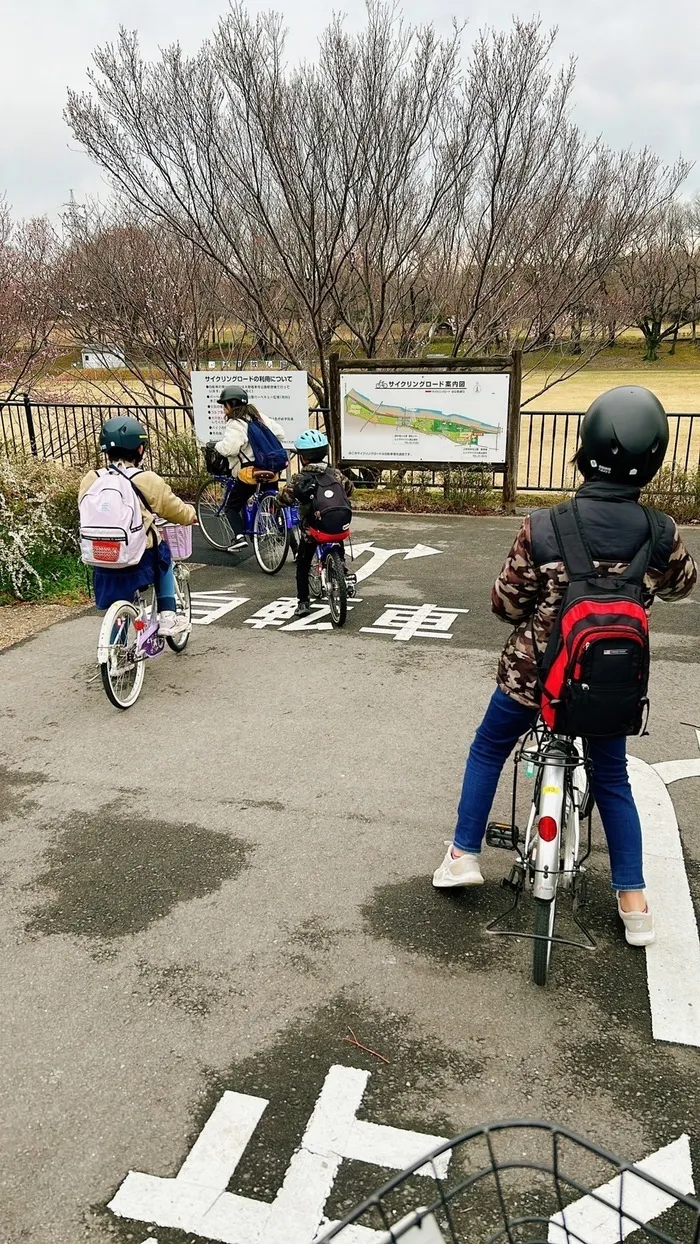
(124,441)
(624,438)
(236,447)
(303,490)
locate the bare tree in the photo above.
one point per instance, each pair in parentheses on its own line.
(149,294)
(356,200)
(28,308)
(660,279)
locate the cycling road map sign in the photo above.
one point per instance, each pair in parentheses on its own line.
(424,417)
(281,395)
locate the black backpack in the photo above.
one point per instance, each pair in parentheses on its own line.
(594,674)
(331,512)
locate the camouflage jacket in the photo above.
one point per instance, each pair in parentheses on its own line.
(530,594)
(292,492)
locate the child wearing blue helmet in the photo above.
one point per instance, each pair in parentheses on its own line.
(322,494)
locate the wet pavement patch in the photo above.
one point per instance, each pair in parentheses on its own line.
(110,874)
(14,791)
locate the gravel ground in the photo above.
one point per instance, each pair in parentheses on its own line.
(18,622)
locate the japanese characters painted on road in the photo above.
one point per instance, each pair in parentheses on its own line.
(196,1200)
(282,395)
(424,417)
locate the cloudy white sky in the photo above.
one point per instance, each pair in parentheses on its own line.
(638,73)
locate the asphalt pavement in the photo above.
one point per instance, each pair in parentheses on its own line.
(214,899)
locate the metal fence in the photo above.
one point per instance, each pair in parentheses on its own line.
(69,434)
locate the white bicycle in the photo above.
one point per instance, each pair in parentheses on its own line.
(552,855)
(130,636)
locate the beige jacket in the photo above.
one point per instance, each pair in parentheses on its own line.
(158,494)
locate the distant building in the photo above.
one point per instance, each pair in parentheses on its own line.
(101,358)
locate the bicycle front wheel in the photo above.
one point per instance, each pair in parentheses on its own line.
(183,608)
(211,513)
(122,672)
(542,946)
(270,534)
(337,588)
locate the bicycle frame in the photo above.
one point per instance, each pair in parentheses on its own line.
(250,509)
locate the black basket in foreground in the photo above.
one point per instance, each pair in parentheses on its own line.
(528,1181)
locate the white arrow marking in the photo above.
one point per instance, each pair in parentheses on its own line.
(673,961)
(379,556)
(421,550)
(196,1200)
(598,1218)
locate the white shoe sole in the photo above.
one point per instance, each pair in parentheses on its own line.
(456,883)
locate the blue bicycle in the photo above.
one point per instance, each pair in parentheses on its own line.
(272,527)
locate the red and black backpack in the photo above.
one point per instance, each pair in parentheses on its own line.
(594,674)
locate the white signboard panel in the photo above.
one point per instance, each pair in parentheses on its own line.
(281,395)
(424,417)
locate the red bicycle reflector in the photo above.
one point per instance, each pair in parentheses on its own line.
(139,624)
(547,828)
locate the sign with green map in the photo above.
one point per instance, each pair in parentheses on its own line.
(424,417)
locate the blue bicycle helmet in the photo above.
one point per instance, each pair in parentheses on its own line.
(312,445)
(311,438)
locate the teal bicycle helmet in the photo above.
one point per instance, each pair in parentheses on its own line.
(124,432)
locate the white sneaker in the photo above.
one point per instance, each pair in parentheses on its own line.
(464,870)
(169,623)
(639,925)
(239,543)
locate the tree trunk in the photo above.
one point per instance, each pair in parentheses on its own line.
(652,338)
(576,331)
(612,334)
(675,340)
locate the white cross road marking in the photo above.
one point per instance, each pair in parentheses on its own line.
(673,960)
(208,607)
(589,1222)
(196,1200)
(406,622)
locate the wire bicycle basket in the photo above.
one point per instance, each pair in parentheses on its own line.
(528,1182)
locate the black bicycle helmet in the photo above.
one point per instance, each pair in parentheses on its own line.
(233,393)
(624,435)
(124,432)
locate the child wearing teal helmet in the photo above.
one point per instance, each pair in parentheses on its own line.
(312,449)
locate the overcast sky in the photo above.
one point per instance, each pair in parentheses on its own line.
(638,76)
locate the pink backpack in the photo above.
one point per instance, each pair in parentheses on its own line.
(112,531)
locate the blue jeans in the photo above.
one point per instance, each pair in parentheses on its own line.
(165,587)
(505,721)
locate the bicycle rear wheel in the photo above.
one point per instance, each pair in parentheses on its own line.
(542,949)
(122,673)
(211,513)
(270,534)
(183,608)
(337,588)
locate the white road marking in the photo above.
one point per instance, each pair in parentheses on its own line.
(673,961)
(208,607)
(590,1222)
(406,622)
(380,556)
(196,1200)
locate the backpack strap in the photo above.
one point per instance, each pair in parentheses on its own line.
(138,492)
(571,542)
(639,565)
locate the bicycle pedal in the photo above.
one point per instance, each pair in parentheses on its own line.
(504,836)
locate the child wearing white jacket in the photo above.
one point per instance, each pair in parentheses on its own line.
(235,445)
